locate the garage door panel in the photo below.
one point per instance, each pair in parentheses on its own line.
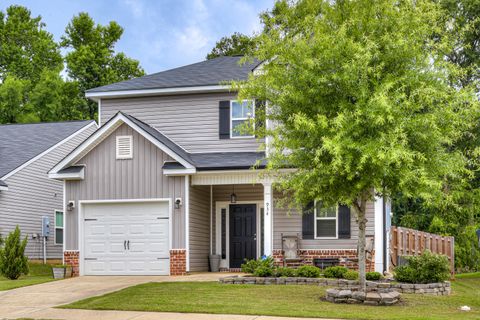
(108,226)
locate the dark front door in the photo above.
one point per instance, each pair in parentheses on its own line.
(243,233)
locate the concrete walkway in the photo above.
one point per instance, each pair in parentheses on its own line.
(38,301)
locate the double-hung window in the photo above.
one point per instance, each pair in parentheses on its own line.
(59,223)
(241,113)
(326,226)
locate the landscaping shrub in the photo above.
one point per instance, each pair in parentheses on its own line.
(335,272)
(350,275)
(425,268)
(13,262)
(263,271)
(285,272)
(372,276)
(251,265)
(308,272)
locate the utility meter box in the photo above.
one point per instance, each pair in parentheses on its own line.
(45,226)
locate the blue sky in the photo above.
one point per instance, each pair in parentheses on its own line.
(161,34)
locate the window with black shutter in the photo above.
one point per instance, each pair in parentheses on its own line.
(320,222)
(224,116)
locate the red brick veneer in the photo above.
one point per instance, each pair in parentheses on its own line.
(178,262)
(71,258)
(348,258)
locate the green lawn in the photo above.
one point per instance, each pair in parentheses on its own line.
(300,301)
(39,273)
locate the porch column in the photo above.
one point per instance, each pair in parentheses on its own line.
(268,219)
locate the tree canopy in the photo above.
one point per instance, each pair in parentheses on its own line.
(236,44)
(32,87)
(92,60)
(362,102)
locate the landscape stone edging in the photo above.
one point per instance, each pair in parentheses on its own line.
(372,298)
(437,289)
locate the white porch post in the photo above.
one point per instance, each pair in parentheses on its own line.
(268,219)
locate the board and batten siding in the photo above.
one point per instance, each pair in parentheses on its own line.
(289,221)
(199,216)
(190,120)
(141,177)
(31,195)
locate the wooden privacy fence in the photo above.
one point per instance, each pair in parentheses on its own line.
(410,242)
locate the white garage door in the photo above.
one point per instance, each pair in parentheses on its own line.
(126,239)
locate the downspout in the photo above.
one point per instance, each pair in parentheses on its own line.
(384,222)
(211,219)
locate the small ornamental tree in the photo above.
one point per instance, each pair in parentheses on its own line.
(361,100)
(13,262)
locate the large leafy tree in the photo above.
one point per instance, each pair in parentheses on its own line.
(361,100)
(26,47)
(236,44)
(457,214)
(92,60)
(27,50)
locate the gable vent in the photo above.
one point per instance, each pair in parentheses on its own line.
(124,147)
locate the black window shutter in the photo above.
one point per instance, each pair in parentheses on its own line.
(259,114)
(224,125)
(308,220)
(343,222)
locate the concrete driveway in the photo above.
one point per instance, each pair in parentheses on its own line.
(37,301)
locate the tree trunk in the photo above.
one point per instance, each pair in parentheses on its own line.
(359,209)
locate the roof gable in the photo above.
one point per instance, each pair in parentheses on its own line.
(151,134)
(20,143)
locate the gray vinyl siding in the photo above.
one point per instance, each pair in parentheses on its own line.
(107,178)
(192,120)
(31,195)
(199,217)
(289,222)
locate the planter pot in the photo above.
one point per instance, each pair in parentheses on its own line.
(58,273)
(68,272)
(214,262)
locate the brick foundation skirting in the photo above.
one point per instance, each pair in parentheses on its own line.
(348,258)
(178,262)
(71,258)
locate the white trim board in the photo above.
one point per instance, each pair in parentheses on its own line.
(103,133)
(80,222)
(153,92)
(47,151)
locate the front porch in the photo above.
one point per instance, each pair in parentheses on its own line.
(236,230)
(234,215)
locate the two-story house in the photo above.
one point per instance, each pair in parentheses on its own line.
(167,180)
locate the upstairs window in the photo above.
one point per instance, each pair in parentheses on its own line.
(124,147)
(240,113)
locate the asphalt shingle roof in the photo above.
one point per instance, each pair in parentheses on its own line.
(210,72)
(228,160)
(21,142)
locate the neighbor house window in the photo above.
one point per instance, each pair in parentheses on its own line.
(325,221)
(59,222)
(241,113)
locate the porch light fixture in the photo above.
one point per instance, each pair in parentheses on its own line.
(233,196)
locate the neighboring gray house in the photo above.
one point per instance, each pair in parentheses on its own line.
(167,180)
(27,153)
